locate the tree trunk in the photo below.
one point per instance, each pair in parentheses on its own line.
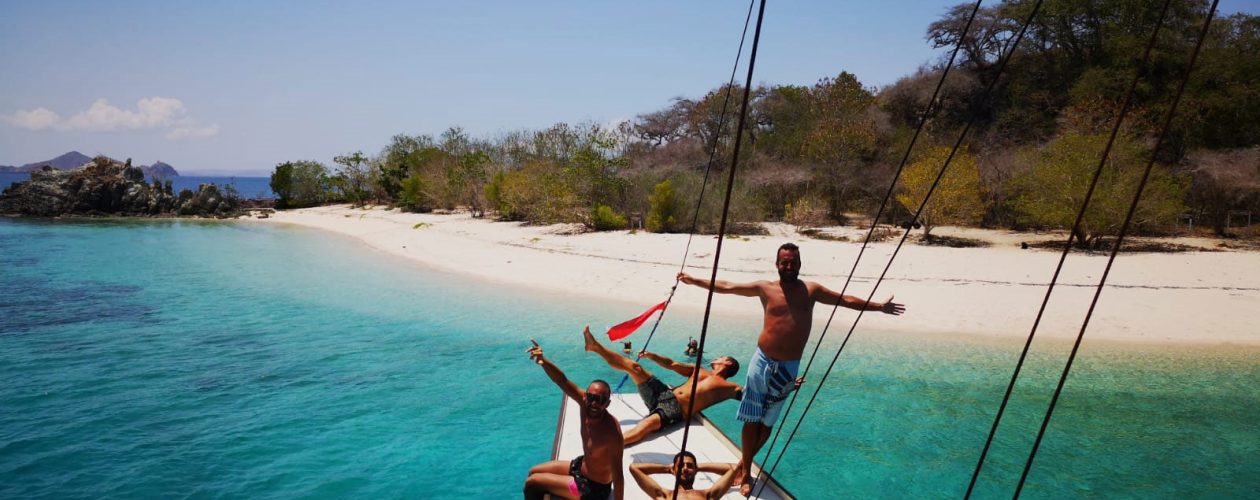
(1082,240)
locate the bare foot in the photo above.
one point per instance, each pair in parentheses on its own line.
(746,488)
(591,343)
(740,475)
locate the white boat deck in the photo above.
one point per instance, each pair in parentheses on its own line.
(705,441)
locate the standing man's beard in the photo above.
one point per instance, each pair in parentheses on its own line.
(789,275)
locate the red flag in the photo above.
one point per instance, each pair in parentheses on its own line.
(625,329)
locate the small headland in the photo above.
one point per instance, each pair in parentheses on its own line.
(104,187)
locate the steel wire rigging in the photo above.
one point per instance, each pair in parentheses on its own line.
(918,212)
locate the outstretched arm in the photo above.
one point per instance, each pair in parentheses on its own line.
(683,369)
(831,298)
(642,474)
(570,389)
(721,286)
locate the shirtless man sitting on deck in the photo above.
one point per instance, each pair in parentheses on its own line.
(669,406)
(597,472)
(685,467)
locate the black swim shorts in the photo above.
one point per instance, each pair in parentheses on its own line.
(586,487)
(660,400)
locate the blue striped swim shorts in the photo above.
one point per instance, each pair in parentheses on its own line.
(769,382)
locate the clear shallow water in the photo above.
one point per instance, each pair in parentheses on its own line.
(170,358)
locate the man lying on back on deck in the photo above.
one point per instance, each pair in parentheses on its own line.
(597,472)
(668,406)
(685,467)
(788,306)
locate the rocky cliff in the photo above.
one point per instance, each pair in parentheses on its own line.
(107,187)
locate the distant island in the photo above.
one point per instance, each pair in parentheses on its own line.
(103,186)
(75,159)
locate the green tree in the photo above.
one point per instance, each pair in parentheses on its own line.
(664,209)
(956,199)
(352,179)
(783,115)
(397,161)
(1221,109)
(300,184)
(495,196)
(1051,193)
(412,197)
(842,126)
(470,177)
(535,193)
(282,184)
(604,218)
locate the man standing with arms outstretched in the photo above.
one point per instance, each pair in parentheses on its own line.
(789,315)
(598,471)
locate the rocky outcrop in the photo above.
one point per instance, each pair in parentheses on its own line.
(159,169)
(107,187)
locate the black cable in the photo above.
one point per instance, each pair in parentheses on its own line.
(695,218)
(717,254)
(1115,248)
(927,112)
(1067,247)
(957,144)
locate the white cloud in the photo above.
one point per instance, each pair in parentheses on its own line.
(192,132)
(35,119)
(150,113)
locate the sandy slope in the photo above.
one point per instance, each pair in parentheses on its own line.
(1164,298)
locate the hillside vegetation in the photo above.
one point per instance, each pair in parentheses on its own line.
(825,153)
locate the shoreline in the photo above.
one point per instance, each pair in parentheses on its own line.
(1161,299)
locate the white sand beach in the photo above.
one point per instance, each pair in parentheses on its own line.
(1210,297)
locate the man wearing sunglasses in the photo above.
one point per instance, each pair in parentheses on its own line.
(597,472)
(667,406)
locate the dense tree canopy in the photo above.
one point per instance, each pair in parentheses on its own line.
(300,184)
(1054,190)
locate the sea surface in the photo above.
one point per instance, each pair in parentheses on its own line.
(178,358)
(248,187)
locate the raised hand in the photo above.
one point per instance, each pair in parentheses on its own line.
(536,352)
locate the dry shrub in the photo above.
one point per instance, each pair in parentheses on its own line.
(807,211)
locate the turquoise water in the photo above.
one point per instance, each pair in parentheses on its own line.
(155,359)
(247,187)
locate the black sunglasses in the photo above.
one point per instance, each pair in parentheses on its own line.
(596,398)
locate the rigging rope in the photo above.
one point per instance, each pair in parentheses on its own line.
(1067,247)
(1115,247)
(957,144)
(695,219)
(927,112)
(717,254)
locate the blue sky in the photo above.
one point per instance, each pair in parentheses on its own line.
(236,87)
